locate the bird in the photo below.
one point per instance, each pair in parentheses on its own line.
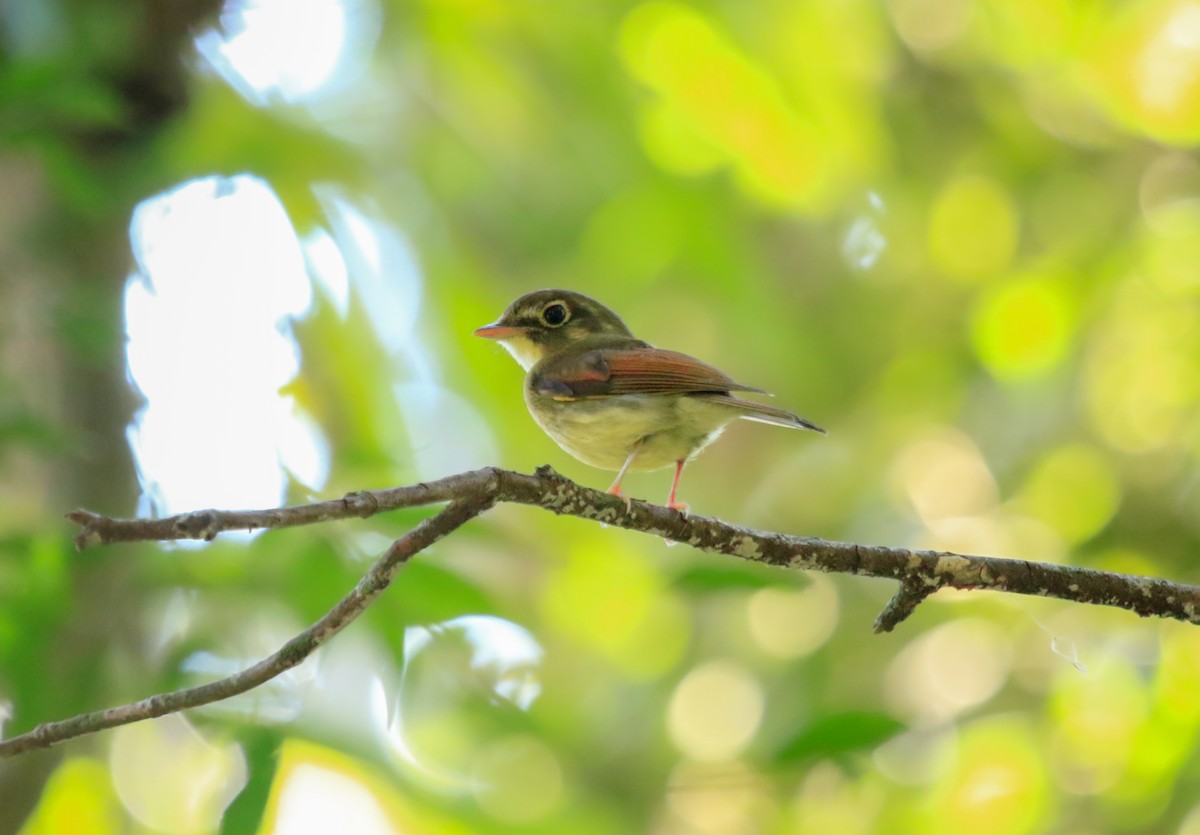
(614,401)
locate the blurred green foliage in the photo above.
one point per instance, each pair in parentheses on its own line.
(963,236)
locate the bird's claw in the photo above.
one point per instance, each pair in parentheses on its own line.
(616,491)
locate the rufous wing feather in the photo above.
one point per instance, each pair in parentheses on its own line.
(609,372)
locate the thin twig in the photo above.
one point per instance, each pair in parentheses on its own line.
(289,655)
(906,599)
(920,572)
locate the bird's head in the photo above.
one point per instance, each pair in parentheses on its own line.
(545,322)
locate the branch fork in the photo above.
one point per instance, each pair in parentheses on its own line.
(470,494)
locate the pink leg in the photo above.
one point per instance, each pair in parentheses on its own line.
(671,502)
(615,488)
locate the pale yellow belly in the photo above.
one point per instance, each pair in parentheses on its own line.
(602,432)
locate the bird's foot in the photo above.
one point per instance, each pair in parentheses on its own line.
(682,507)
(615,490)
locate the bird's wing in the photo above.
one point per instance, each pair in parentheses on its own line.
(609,372)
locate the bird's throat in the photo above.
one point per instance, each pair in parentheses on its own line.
(524,350)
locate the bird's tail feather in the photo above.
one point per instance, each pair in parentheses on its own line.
(763,413)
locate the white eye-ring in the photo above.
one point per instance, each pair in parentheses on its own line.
(555,314)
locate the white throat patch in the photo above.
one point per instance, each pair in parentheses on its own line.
(523,350)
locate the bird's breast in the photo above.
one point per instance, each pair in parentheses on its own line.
(602,432)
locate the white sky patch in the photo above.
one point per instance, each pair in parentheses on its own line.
(291,49)
(385,276)
(329,269)
(207,319)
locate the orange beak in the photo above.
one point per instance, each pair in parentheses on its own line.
(498,331)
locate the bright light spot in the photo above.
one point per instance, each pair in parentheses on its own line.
(78,798)
(320,800)
(997,784)
(831,802)
(170,778)
(944,475)
(329,269)
(865,242)
(792,624)
(1099,723)
(1191,823)
(221,275)
(927,25)
(1168,179)
(1023,328)
(385,276)
(997,532)
(673,144)
(724,98)
(948,670)
(912,758)
(1073,490)
(715,711)
(291,49)
(452,671)
(518,780)
(6,713)
(1171,246)
(1168,71)
(716,799)
(499,645)
(1142,380)
(1177,677)
(171,619)
(342,697)
(972,228)
(613,602)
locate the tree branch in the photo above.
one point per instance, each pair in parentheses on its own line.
(287,656)
(920,573)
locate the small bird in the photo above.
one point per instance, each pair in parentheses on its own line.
(612,400)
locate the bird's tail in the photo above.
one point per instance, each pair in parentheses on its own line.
(763,413)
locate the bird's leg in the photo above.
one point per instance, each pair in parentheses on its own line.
(615,489)
(671,502)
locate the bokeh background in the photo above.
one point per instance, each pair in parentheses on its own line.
(242,250)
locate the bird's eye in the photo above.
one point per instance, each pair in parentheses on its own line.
(555,314)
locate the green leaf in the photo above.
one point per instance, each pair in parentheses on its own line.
(244,815)
(713,577)
(839,733)
(427,593)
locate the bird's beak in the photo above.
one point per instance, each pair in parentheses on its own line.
(498,331)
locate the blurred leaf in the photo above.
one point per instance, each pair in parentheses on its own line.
(245,814)
(716,577)
(837,734)
(426,593)
(43,96)
(79,798)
